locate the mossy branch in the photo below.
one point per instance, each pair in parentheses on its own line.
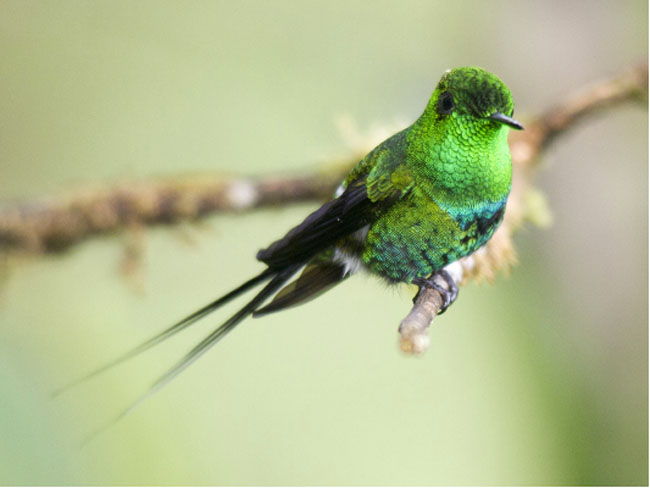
(54,224)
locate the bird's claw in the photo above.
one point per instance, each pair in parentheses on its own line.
(448,293)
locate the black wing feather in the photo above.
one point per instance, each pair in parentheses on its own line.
(267,274)
(316,279)
(217,334)
(335,219)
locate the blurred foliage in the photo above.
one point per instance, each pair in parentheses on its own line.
(541,378)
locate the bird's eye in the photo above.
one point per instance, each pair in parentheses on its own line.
(445,103)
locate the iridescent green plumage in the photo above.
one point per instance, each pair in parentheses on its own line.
(425,197)
(455,173)
(438,187)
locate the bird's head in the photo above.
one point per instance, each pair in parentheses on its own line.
(471,96)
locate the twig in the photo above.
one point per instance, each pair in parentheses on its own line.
(55,224)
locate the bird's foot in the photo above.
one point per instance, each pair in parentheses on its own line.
(448,293)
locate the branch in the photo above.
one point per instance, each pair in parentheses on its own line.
(55,224)
(524,201)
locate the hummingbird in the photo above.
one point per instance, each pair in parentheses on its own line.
(422,199)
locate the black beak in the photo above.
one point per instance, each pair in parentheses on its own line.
(504,119)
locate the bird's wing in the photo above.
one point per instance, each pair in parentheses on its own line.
(335,219)
(389,179)
(365,195)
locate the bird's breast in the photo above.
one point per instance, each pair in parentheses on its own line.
(417,236)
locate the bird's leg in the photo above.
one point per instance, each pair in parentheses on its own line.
(448,293)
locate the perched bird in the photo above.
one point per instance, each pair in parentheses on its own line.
(425,197)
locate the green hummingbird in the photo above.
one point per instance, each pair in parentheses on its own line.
(425,197)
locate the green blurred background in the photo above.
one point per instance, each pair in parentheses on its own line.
(541,378)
